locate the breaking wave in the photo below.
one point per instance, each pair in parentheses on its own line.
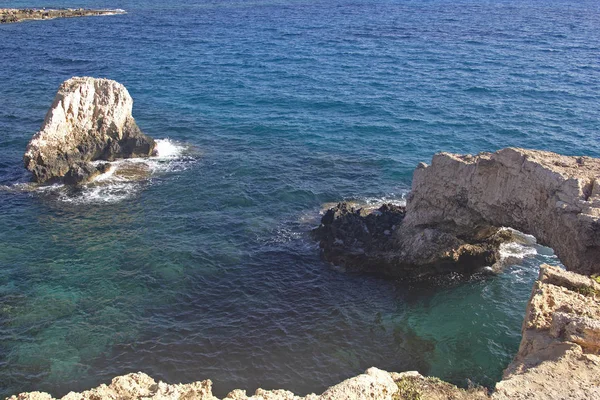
(524,246)
(124,179)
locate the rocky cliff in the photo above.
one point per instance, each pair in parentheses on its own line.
(558,356)
(552,197)
(457,205)
(89,120)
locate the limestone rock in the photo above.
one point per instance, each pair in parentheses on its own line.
(374,384)
(457,205)
(362,239)
(84,172)
(555,198)
(134,386)
(90,119)
(558,356)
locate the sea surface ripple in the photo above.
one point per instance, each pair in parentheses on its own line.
(272,108)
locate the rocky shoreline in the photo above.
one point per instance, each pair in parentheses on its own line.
(557,359)
(12,15)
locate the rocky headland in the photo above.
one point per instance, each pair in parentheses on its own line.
(89,121)
(10,15)
(457,207)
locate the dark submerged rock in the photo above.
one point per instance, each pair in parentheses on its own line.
(372,241)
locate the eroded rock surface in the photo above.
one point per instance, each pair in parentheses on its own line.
(374,384)
(558,356)
(552,197)
(359,238)
(458,203)
(363,239)
(90,119)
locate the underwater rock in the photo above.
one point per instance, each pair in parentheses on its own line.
(90,119)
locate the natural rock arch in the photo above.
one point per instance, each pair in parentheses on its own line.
(553,197)
(456,208)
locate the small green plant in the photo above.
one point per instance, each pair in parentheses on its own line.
(596,277)
(408,389)
(587,291)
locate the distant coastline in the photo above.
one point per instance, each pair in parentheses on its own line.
(12,15)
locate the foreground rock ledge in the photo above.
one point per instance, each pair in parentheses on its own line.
(89,120)
(557,359)
(457,204)
(10,15)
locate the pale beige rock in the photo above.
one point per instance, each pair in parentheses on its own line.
(32,396)
(555,198)
(374,384)
(135,386)
(557,358)
(457,206)
(90,119)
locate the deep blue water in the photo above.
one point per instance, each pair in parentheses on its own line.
(274,108)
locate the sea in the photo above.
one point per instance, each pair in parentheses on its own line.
(265,111)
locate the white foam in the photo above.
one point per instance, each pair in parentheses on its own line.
(377,202)
(110,193)
(523,246)
(107,175)
(165,148)
(119,183)
(516,250)
(369,203)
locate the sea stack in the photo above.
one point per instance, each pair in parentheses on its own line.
(89,120)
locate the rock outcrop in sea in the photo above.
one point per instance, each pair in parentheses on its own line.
(89,120)
(457,205)
(11,15)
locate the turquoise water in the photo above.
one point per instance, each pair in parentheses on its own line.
(271,109)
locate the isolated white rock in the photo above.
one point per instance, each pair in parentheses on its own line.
(90,119)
